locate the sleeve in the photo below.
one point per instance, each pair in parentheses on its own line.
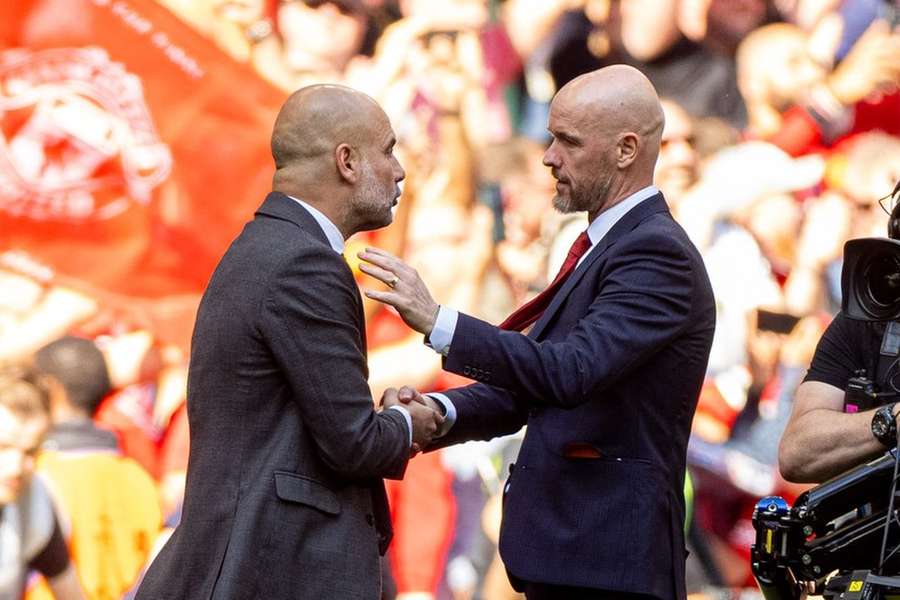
(837,356)
(644,302)
(311,320)
(482,412)
(442,333)
(53,558)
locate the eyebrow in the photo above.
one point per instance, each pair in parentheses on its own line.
(564,135)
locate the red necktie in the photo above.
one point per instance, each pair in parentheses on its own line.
(532,311)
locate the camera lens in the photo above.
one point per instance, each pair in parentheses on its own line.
(882,274)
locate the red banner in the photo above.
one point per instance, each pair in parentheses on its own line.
(132,150)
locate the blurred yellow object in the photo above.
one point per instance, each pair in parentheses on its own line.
(351,249)
(110,512)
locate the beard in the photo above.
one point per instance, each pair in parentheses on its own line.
(372,205)
(578,200)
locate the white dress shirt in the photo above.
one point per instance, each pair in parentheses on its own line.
(445,324)
(336,241)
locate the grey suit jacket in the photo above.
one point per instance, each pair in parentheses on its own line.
(284,497)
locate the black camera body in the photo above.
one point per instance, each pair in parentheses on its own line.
(870,279)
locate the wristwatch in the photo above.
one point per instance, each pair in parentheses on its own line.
(884,426)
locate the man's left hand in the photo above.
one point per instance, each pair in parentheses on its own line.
(407,293)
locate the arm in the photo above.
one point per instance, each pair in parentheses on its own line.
(66,586)
(53,563)
(311,320)
(644,302)
(483,412)
(820,440)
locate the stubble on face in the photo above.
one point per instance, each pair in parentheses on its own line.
(588,197)
(373,201)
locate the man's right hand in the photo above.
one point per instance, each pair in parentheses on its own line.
(426,414)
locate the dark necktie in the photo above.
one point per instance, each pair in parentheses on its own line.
(531,311)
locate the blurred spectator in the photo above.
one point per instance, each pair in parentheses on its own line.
(34,312)
(645,34)
(775,71)
(807,103)
(109,503)
(30,533)
(311,41)
(677,165)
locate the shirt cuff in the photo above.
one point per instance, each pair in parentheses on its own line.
(442,333)
(408,418)
(449,413)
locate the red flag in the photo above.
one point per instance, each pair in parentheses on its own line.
(132,150)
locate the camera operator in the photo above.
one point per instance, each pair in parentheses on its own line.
(830,432)
(821,440)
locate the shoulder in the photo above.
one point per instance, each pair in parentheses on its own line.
(658,234)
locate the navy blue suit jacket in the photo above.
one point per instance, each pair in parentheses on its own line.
(617,362)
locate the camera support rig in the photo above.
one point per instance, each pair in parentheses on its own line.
(834,527)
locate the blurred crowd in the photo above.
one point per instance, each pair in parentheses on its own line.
(782,132)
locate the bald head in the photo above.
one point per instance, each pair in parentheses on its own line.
(607,126)
(316,119)
(617,98)
(333,148)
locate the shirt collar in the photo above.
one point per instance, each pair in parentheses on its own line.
(335,239)
(600,226)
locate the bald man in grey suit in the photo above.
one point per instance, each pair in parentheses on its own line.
(284,495)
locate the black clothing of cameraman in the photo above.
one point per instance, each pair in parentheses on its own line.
(846,347)
(821,440)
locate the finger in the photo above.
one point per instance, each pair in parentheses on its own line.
(380,252)
(389,298)
(389,396)
(378,273)
(388,262)
(407,394)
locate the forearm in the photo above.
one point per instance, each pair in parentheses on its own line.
(66,586)
(823,443)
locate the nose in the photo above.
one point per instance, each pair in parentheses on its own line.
(550,158)
(399,172)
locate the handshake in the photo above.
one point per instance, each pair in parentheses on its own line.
(426,413)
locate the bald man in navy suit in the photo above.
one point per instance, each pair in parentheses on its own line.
(604,366)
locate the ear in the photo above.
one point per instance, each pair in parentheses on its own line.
(627,149)
(346,159)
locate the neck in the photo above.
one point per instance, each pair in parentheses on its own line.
(618,192)
(65,413)
(332,208)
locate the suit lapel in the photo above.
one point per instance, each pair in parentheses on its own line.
(631,219)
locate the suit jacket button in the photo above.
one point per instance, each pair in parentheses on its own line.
(467,371)
(370,520)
